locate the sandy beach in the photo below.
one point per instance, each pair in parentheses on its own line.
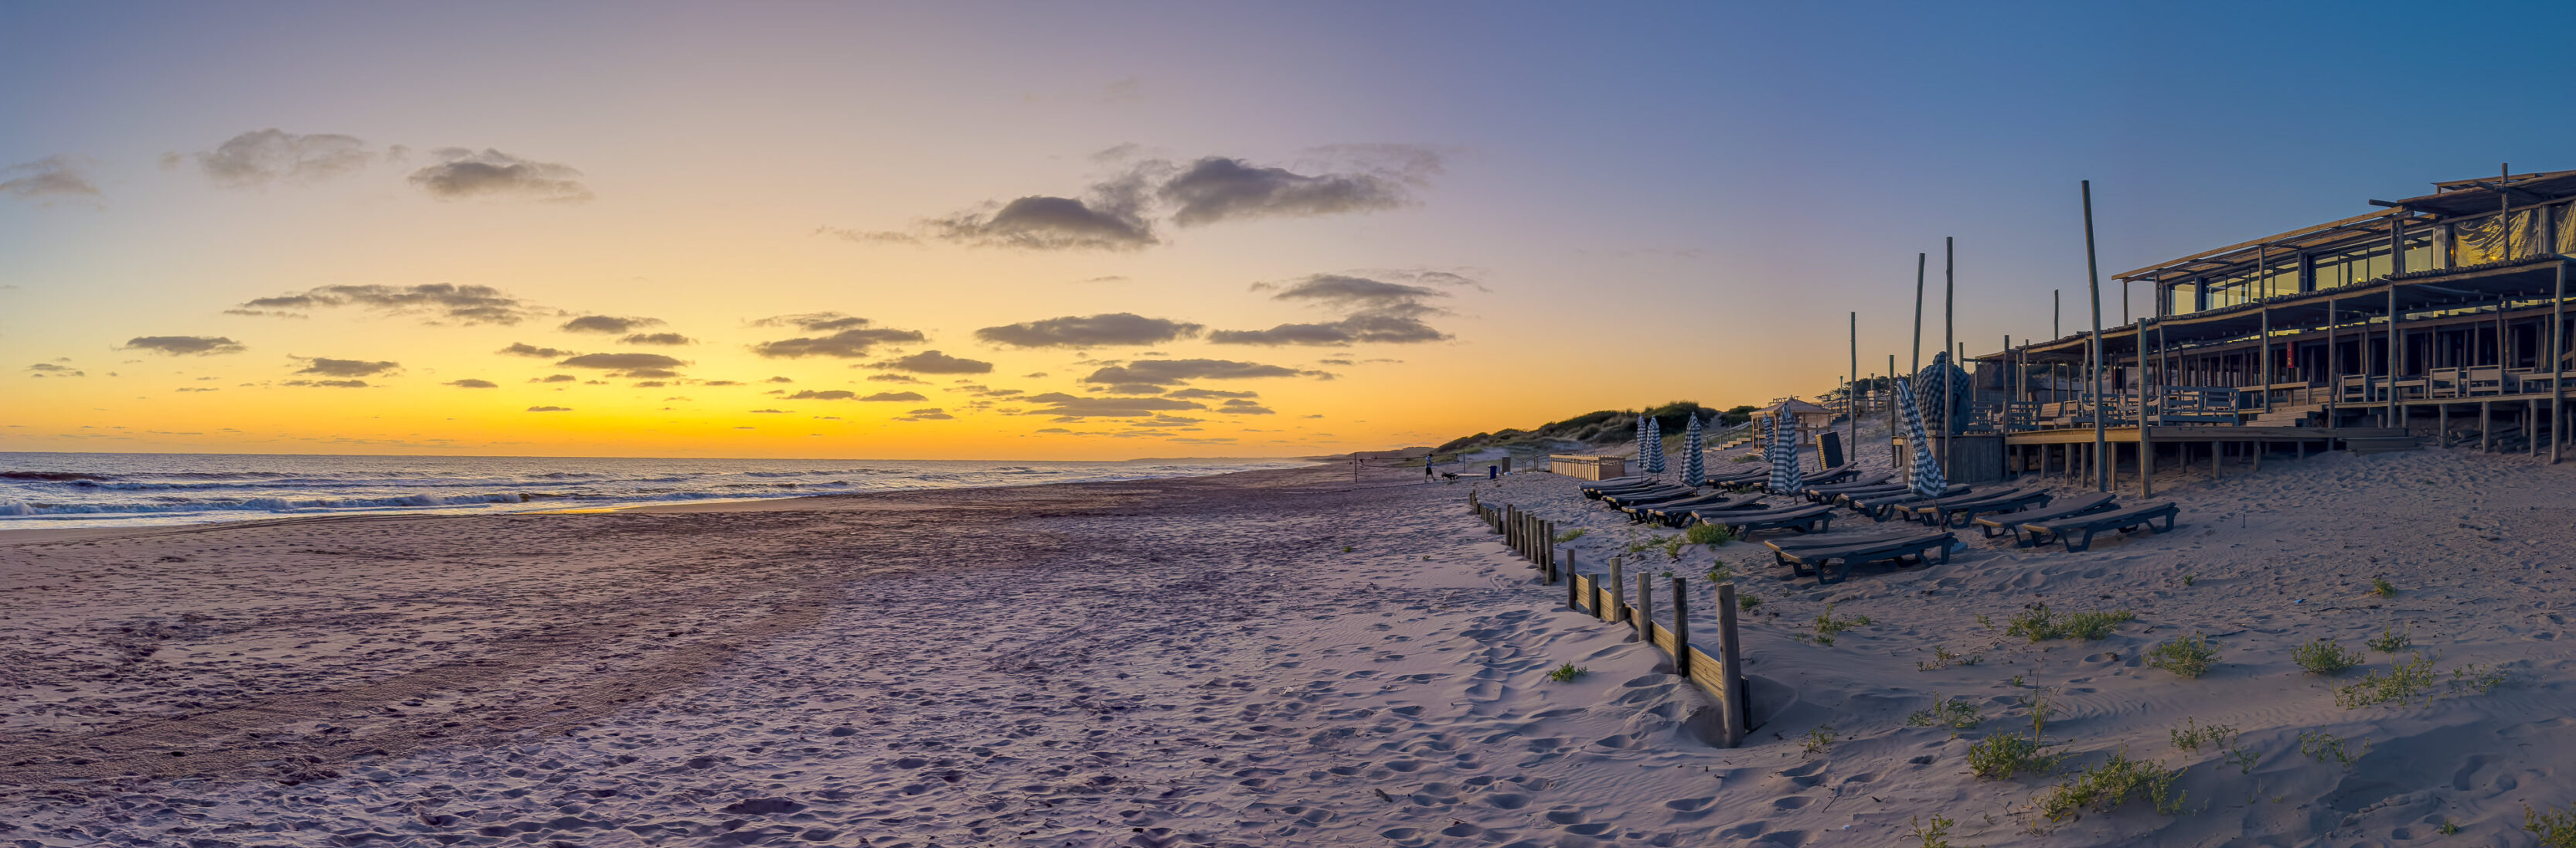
(1264,658)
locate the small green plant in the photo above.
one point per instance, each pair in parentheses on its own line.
(1983,621)
(1720,572)
(2190,656)
(2188,579)
(1942,657)
(2404,682)
(1827,626)
(2449,828)
(2475,678)
(1567,673)
(1746,601)
(1346,549)
(2391,639)
(2038,624)
(2325,657)
(1936,836)
(2191,735)
(2111,784)
(2001,757)
(1818,739)
(1571,535)
(2325,747)
(1708,534)
(2557,828)
(1955,713)
(1672,545)
(2381,587)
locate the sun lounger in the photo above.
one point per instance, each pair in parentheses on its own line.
(1642,512)
(1596,490)
(1678,514)
(1741,478)
(2123,520)
(2011,522)
(1818,562)
(1956,512)
(1823,493)
(1648,496)
(1830,475)
(1804,518)
(1844,497)
(1883,507)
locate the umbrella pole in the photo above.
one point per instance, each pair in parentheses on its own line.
(2092,271)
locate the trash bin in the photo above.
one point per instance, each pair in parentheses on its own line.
(1493,472)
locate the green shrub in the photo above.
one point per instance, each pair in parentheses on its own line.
(1709,534)
(1818,739)
(1827,626)
(1936,836)
(1571,535)
(2327,748)
(2381,587)
(2039,624)
(2111,784)
(1567,673)
(1942,657)
(2391,639)
(2557,828)
(2192,735)
(2405,682)
(2190,656)
(1746,601)
(2325,657)
(1955,713)
(2001,757)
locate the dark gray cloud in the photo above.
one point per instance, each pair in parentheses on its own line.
(658,339)
(778,380)
(554,378)
(1114,328)
(607,324)
(463,173)
(1217,188)
(1166,372)
(934,362)
(899,378)
(896,396)
(526,349)
(549,409)
(259,157)
(1209,394)
(327,384)
(473,384)
(48,369)
(467,304)
(931,414)
(184,345)
(1066,407)
(50,178)
(328,367)
(848,337)
(1374,311)
(1039,222)
(1239,406)
(621,361)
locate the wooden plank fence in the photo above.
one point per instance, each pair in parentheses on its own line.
(1720,675)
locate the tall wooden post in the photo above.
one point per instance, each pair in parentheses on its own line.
(1949,328)
(2146,428)
(1645,607)
(1681,627)
(1736,702)
(2266,351)
(2093,275)
(2334,364)
(1618,590)
(1851,393)
(2557,385)
(1569,587)
(1894,458)
(2390,419)
(1917,364)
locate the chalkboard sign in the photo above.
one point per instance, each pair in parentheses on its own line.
(1829,447)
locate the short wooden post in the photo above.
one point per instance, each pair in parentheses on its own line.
(1645,617)
(1681,627)
(1569,591)
(2486,426)
(1619,590)
(1736,704)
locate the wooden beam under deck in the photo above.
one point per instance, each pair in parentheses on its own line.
(2183,433)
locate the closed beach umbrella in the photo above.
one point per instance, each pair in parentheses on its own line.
(1641,443)
(1694,469)
(1786,476)
(1654,446)
(1927,480)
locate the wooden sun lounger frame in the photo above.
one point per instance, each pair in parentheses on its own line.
(2123,520)
(1811,518)
(1818,562)
(1670,518)
(1882,509)
(1957,513)
(1994,525)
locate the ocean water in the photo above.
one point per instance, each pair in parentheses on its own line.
(110,489)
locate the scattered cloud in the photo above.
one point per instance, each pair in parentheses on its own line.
(327,384)
(1217,188)
(896,396)
(184,345)
(848,337)
(898,378)
(931,414)
(549,409)
(720,383)
(47,179)
(463,173)
(934,362)
(1204,394)
(607,324)
(1373,311)
(783,380)
(259,157)
(329,367)
(1166,372)
(1065,406)
(658,339)
(470,383)
(554,378)
(469,304)
(1240,406)
(48,369)
(1034,375)
(769,412)
(828,394)
(633,363)
(526,349)
(1108,329)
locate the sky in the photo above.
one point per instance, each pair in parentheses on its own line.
(1111,230)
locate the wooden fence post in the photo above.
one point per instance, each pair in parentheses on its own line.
(1619,590)
(1681,627)
(1645,615)
(1737,702)
(1569,591)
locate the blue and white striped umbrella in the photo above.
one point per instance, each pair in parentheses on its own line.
(1654,446)
(1641,443)
(1929,390)
(1694,469)
(1786,476)
(1927,479)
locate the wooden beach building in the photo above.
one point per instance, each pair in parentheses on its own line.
(2439,317)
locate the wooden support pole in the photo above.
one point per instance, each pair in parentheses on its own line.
(2557,385)
(1645,617)
(1735,703)
(1619,591)
(2092,271)
(2531,424)
(1894,459)
(1851,396)
(1681,627)
(1949,328)
(1569,588)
